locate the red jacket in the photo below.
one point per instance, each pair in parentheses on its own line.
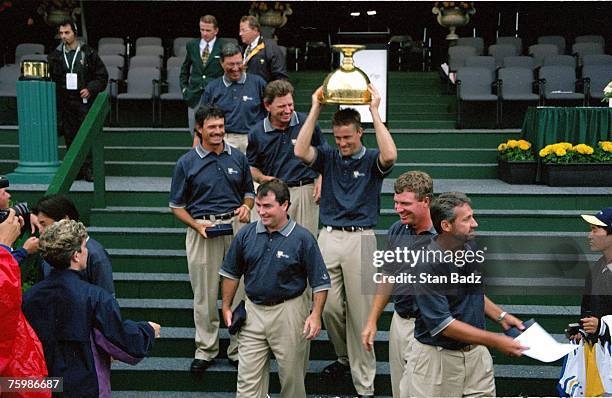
(21,354)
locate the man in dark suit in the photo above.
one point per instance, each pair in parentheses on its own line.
(201,65)
(262,57)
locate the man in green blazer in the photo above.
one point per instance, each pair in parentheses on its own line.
(195,74)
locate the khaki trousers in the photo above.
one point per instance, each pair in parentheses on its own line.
(347,307)
(277,329)
(438,372)
(204,259)
(303,209)
(240,141)
(401,337)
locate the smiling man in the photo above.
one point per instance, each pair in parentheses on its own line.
(262,57)
(350,204)
(597,298)
(277,258)
(238,94)
(413,194)
(201,65)
(211,192)
(448,357)
(270,153)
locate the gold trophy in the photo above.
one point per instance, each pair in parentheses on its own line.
(348,84)
(34,70)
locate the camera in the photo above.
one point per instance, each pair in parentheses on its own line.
(21,209)
(572,329)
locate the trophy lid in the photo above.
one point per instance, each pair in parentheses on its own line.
(347,84)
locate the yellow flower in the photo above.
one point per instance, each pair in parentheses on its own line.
(559,151)
(512,143)
(502,147)
(606,145)
(544,151)
(524,145)
(583,149)
(565,145)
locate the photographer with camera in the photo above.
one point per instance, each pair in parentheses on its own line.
(21,353)
(30,246)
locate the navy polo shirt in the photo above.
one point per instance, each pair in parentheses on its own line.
(275,266)
(404,236)
(439,304)
(350,193)
(271,150)
(240,100)
(205,183)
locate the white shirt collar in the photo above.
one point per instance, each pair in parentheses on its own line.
(210,44)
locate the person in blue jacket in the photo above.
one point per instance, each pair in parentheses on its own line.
(77,321)
(52,208)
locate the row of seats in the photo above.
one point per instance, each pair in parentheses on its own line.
(515,83)
(555,40)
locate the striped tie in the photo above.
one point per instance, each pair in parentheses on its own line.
(205,55)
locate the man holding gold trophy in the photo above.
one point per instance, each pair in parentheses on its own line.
(349,208)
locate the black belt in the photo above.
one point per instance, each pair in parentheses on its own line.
(215,217)
(467,348)
(347,229)
(305,181)
(278,301)
(405,316)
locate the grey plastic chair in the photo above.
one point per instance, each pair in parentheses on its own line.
(591,39)
(597,59)
(110,40)
(28,48)
(148,41)
(598,78)
(111,49)
(174,92)
(179,46)
(484,61)
(515,41)
(146,61)
(474,84)
(501,51)
(174,62)
(558,82)
(476,42)
(582,49)
(150,50)
(32,57)
(558,41)
(541,51)
(515,84)
(142,84)
(9,74)
(457,56)
(567,60)
(113,60)
(520,61)
(230,40)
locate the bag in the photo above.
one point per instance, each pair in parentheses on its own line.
(238,318)
(573,378)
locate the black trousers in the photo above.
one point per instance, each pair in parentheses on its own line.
(71,113)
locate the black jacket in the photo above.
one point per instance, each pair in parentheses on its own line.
(269,62)
(94,76)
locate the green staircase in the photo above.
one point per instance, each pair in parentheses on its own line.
(536,242)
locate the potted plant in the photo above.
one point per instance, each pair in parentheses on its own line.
(567,165)
(516,162)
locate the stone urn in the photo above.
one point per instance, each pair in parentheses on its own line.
(274,19)
(452,18)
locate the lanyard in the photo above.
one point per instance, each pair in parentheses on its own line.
(254,51)
(73,59)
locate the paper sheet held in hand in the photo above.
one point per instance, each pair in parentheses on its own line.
(542,346)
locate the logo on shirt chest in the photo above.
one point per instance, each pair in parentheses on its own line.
(231,171)
(281,254)
(357,174)
(246,98)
